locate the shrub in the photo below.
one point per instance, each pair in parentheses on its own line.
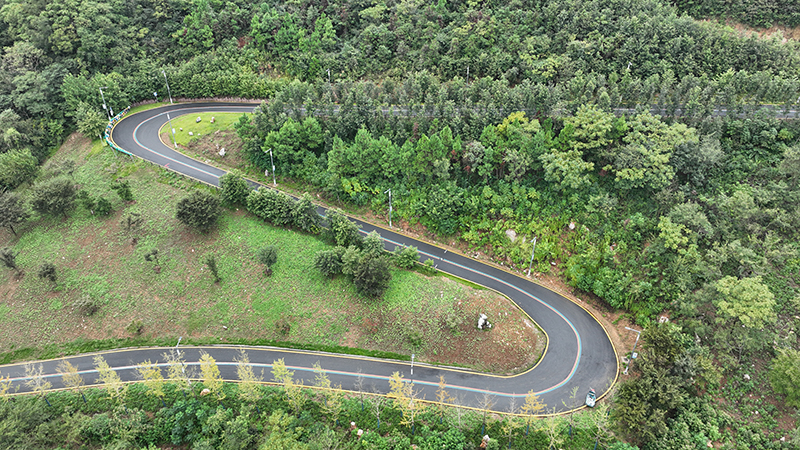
(415,338)
(283,327)
(86,306)
(351,259)
(267,256)
(305,216)
(85,200)
(152,256)
(273,206)
(132,222)
(211,262)
(9,258)
(47,271)
(372,276)
(341,230)
(103,206)
(135,327)
(233,188)
(406,257)
(199,210)
(429,268)
(123,189)
(373,244)
(55,196)
(453,320)
(329,262)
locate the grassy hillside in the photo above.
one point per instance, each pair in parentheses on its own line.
(99,260)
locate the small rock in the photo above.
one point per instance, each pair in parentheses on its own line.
(198,119)
(482,321)
(191,134)
(747,377)
(224,327)
(511,235)
(222,152)
(205,392)
(572,225)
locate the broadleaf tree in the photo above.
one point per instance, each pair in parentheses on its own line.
(55,196)
(12,211)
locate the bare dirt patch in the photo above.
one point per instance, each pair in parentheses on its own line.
(207,149)
(513,342)
(786,33)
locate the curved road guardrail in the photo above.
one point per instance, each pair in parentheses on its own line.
(579,351)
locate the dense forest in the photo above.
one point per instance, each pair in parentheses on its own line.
(649,152)
(757,13)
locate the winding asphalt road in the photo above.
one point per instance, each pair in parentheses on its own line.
(579,351)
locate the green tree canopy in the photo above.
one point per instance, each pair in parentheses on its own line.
(12,211)
(329,262)
(295,147)
(91,121)
(372,276)
(54,196)
(644,159)
(234,188)
(199,210)
(785,375)
(267,256)
(748,301)
(17,167)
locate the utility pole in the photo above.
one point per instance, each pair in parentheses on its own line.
(390,205)
(633,350)
(104,102)
(274,183)
(530,266)
(174,142)
(167,82)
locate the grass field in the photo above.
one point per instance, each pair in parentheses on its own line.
(183,125)
(97,259)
